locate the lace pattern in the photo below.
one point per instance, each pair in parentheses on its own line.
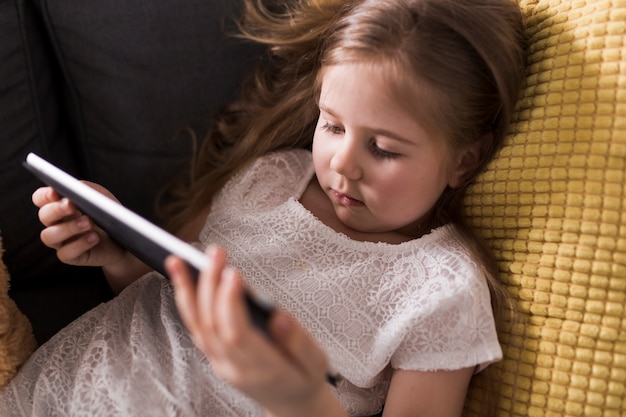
(420,305)
(128,357)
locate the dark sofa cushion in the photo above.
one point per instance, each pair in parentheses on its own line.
(31,120)
(138,73)
(102,88)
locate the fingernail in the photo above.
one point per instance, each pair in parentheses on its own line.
(92,238)
(171,264)
(211,251)
(82,223)
(229,275)
(173,270)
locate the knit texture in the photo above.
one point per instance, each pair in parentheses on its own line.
(17,341)
(553,208)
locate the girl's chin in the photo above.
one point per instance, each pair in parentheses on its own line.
(352,223)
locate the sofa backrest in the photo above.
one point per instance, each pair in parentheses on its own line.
(105,89)
(138,73)
(31,119)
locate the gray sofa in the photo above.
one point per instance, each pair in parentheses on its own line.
(104,89)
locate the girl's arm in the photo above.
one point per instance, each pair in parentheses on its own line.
(436,394)
(124,272)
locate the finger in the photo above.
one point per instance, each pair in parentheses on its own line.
(298,345)
(196,299)
(184,293)
(244,353)
(208,281)
(231,315)
(77,251)
(56,235)
(44,195)
(57,211)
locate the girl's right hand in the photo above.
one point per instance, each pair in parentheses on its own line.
(74,236)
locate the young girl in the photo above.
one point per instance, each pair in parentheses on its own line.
(334,185)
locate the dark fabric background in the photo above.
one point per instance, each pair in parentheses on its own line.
(137,73)
(102,88)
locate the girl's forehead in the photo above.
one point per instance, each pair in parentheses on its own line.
(405,83)
(385,68)
(400,85)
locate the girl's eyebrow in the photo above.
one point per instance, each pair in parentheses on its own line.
(381,132)
(326,109)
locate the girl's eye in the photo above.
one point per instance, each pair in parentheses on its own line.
(381,153)
(332,129)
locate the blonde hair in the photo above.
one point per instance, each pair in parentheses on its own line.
(470,52)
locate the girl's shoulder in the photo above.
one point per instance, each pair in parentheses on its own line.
(289,170)
(294,165)
(447,257)
(450,251)
(271,178)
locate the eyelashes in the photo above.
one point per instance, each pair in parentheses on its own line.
(372,146)
(381,153)
(332,129)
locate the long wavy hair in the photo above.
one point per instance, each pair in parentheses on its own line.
(471,54)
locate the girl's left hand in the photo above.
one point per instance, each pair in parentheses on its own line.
(284,373)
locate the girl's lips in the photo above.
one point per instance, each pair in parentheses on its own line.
(345,200)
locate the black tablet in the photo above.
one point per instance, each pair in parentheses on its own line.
(144,239)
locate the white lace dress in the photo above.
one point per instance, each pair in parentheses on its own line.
(419,305)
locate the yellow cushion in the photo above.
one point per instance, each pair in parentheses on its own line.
(553,207)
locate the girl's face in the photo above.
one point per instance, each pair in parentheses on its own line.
(380,167)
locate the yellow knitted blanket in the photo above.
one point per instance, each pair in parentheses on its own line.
(553,208)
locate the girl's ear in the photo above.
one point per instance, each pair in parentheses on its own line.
(468,160)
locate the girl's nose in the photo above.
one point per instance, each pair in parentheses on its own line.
(346,160)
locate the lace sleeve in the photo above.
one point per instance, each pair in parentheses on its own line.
(269,180)
(456,331)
